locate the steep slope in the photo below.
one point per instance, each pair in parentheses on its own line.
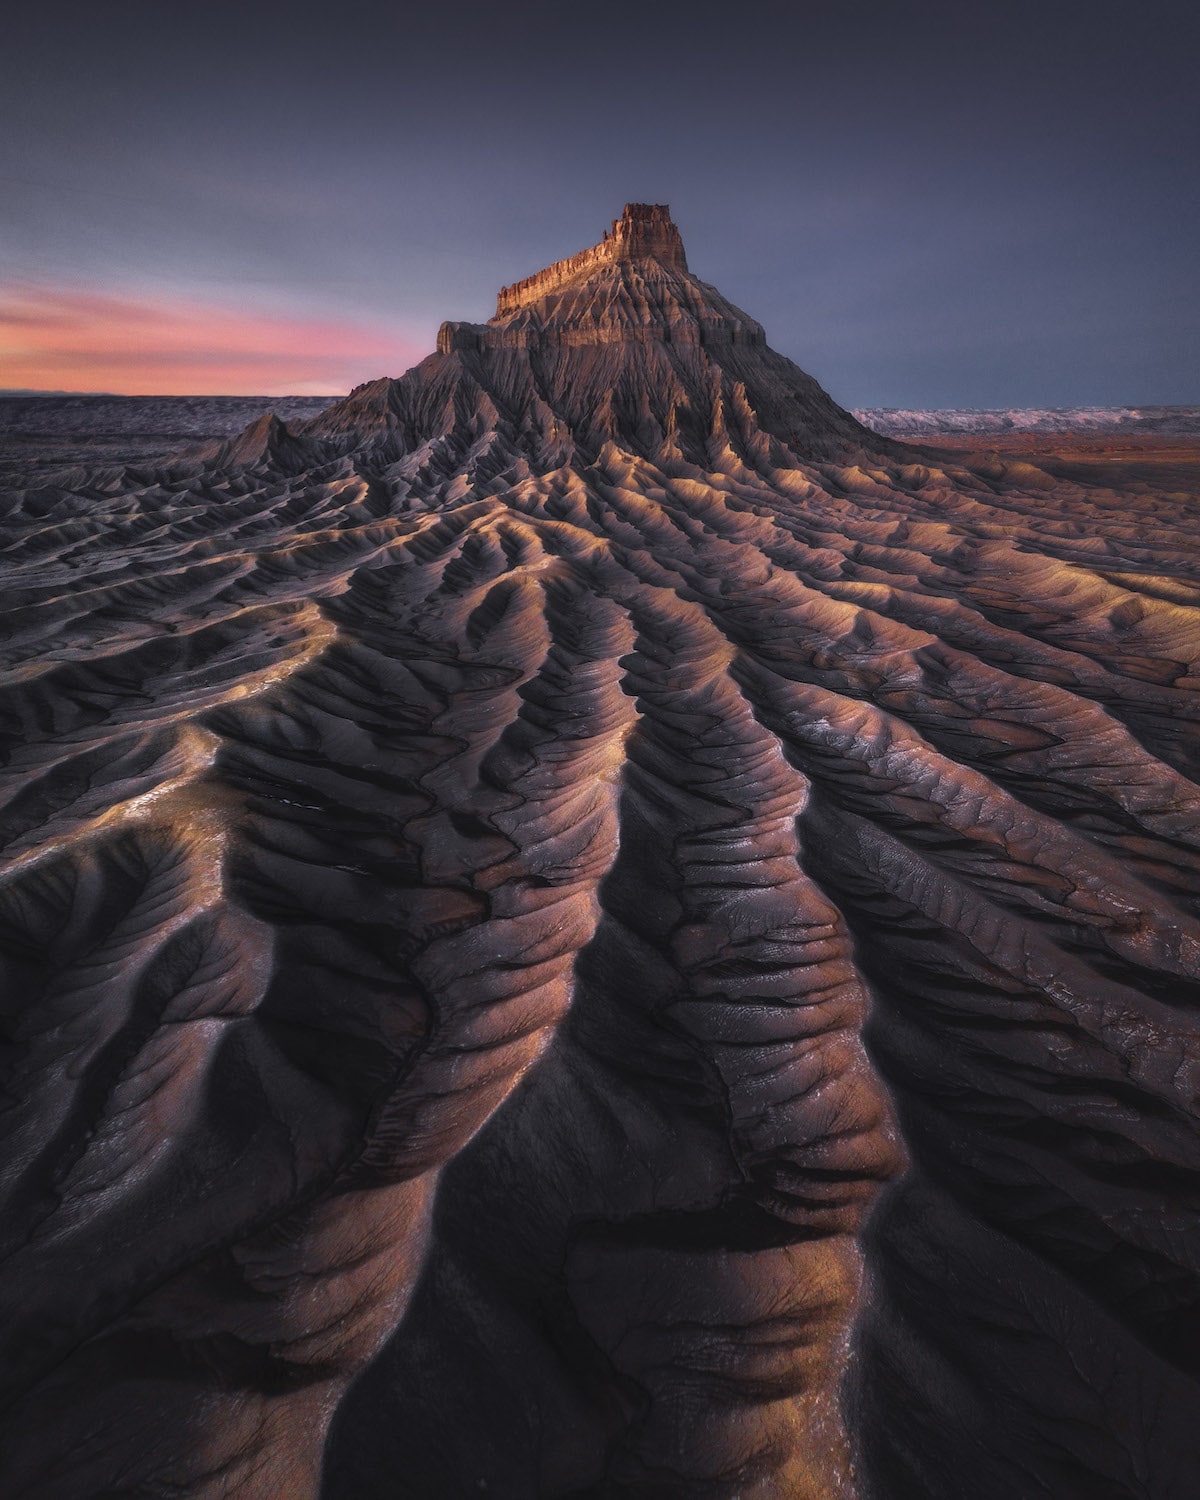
(617,344)
(578,925)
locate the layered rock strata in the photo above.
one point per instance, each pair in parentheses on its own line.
(579,925)
(644,231)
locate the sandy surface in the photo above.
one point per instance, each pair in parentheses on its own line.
(1142,463)
(578,924)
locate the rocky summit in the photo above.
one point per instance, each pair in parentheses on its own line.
(580,925)
(618,344)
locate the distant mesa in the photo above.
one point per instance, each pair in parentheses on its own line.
(1168,421)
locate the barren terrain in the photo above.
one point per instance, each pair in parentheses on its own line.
(40,435)
(579,924)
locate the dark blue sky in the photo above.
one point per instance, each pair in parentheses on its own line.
(926,204)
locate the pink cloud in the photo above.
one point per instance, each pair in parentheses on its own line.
(70,338)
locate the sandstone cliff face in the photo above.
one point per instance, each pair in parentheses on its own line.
(580,926)
(633,288)
(644,231)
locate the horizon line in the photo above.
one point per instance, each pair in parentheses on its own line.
(22,391)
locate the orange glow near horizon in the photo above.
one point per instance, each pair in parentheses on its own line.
(73,339)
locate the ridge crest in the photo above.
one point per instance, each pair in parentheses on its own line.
(644,231)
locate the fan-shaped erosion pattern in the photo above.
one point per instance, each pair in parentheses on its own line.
(579,925)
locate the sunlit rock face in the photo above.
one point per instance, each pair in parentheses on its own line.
(579,925)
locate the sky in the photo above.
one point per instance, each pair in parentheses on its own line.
(936,203)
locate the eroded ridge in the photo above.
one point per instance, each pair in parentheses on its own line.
(644,231)
(572,947)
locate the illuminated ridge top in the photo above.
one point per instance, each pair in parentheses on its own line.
(644,231)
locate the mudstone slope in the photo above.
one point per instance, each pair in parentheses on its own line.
(580,925)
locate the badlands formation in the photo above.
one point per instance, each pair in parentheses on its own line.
(578,925)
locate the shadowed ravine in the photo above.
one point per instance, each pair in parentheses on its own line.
(579,925)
